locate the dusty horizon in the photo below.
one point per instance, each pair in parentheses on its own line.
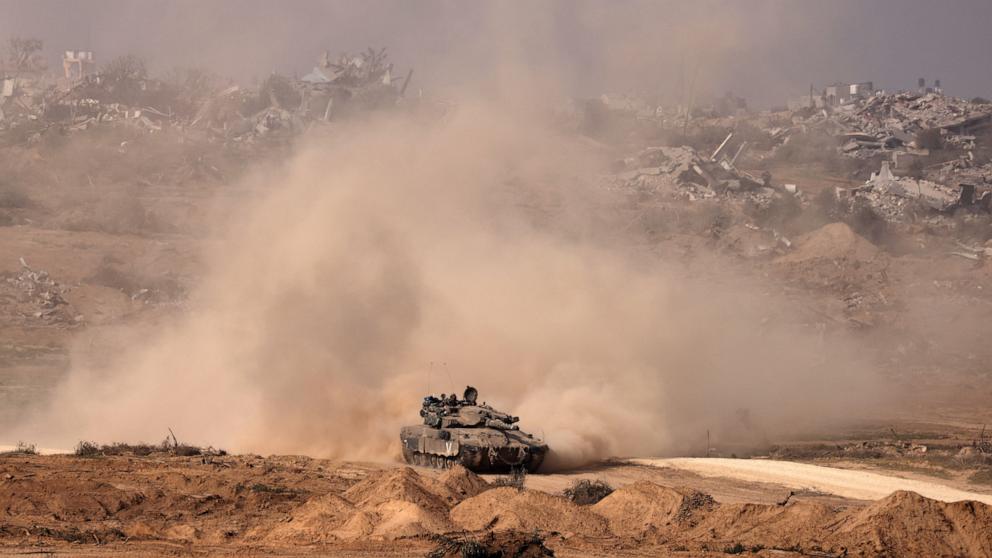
(765,51)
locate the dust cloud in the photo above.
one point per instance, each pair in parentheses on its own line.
(390,257)
(483,245)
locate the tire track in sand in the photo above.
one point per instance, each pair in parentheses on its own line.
(861,485)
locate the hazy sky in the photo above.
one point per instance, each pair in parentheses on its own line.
(765,50)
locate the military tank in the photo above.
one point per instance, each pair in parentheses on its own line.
(477,436)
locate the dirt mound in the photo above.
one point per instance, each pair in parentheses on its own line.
(640,507)
(907,524)
(835,241)
(396,519)
(404,485)
(509,509)
(315,521)
(798,525)
(463,483)
(835,258)
(80,500)
(397,504)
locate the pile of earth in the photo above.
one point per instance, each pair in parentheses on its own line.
(645,507)
(902,524)
(907,524)
(509,509)
(834,258)
(281,502)
(396,504)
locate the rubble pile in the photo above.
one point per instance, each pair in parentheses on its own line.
(685,174)
(41,291)
(913,113)
(887,122)
(365,81)
(904,199)
(280,107)
(21,101)
(962,170)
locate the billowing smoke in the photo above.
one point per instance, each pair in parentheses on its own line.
(483,245)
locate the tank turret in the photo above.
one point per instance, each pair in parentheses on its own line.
(473,434)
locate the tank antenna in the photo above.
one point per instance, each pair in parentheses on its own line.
(429,370)
(448,372)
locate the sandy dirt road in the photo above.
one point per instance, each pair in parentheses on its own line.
(861,485)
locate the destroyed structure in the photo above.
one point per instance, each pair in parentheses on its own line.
(693,176)
(918,155)
(77,64)
(902,199)
(121,94)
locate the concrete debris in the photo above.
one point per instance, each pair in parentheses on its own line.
(39,289)
(903,199)
(33,105)
(888,122)
(683,172)
(973,253)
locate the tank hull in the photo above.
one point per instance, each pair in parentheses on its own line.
(482,450)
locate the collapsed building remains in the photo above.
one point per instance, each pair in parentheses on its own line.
(32,105)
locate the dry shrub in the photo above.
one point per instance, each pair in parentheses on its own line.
(587,492)
(492,545)
(22,448)
(87,449)
(167,447)
(12,198)
(515,479)
(983,476)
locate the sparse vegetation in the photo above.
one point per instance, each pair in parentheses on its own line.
(24,54)
(169,447)
(277,90)
(694,501)
(492,545)
(983,476)
(271,489)
(87,449)
(127,68)
(516,479)
(123,79)
(736,548)
(587,492)
(11,198)
(22,448)
(190,87)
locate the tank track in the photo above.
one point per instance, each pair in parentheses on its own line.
(419,459)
